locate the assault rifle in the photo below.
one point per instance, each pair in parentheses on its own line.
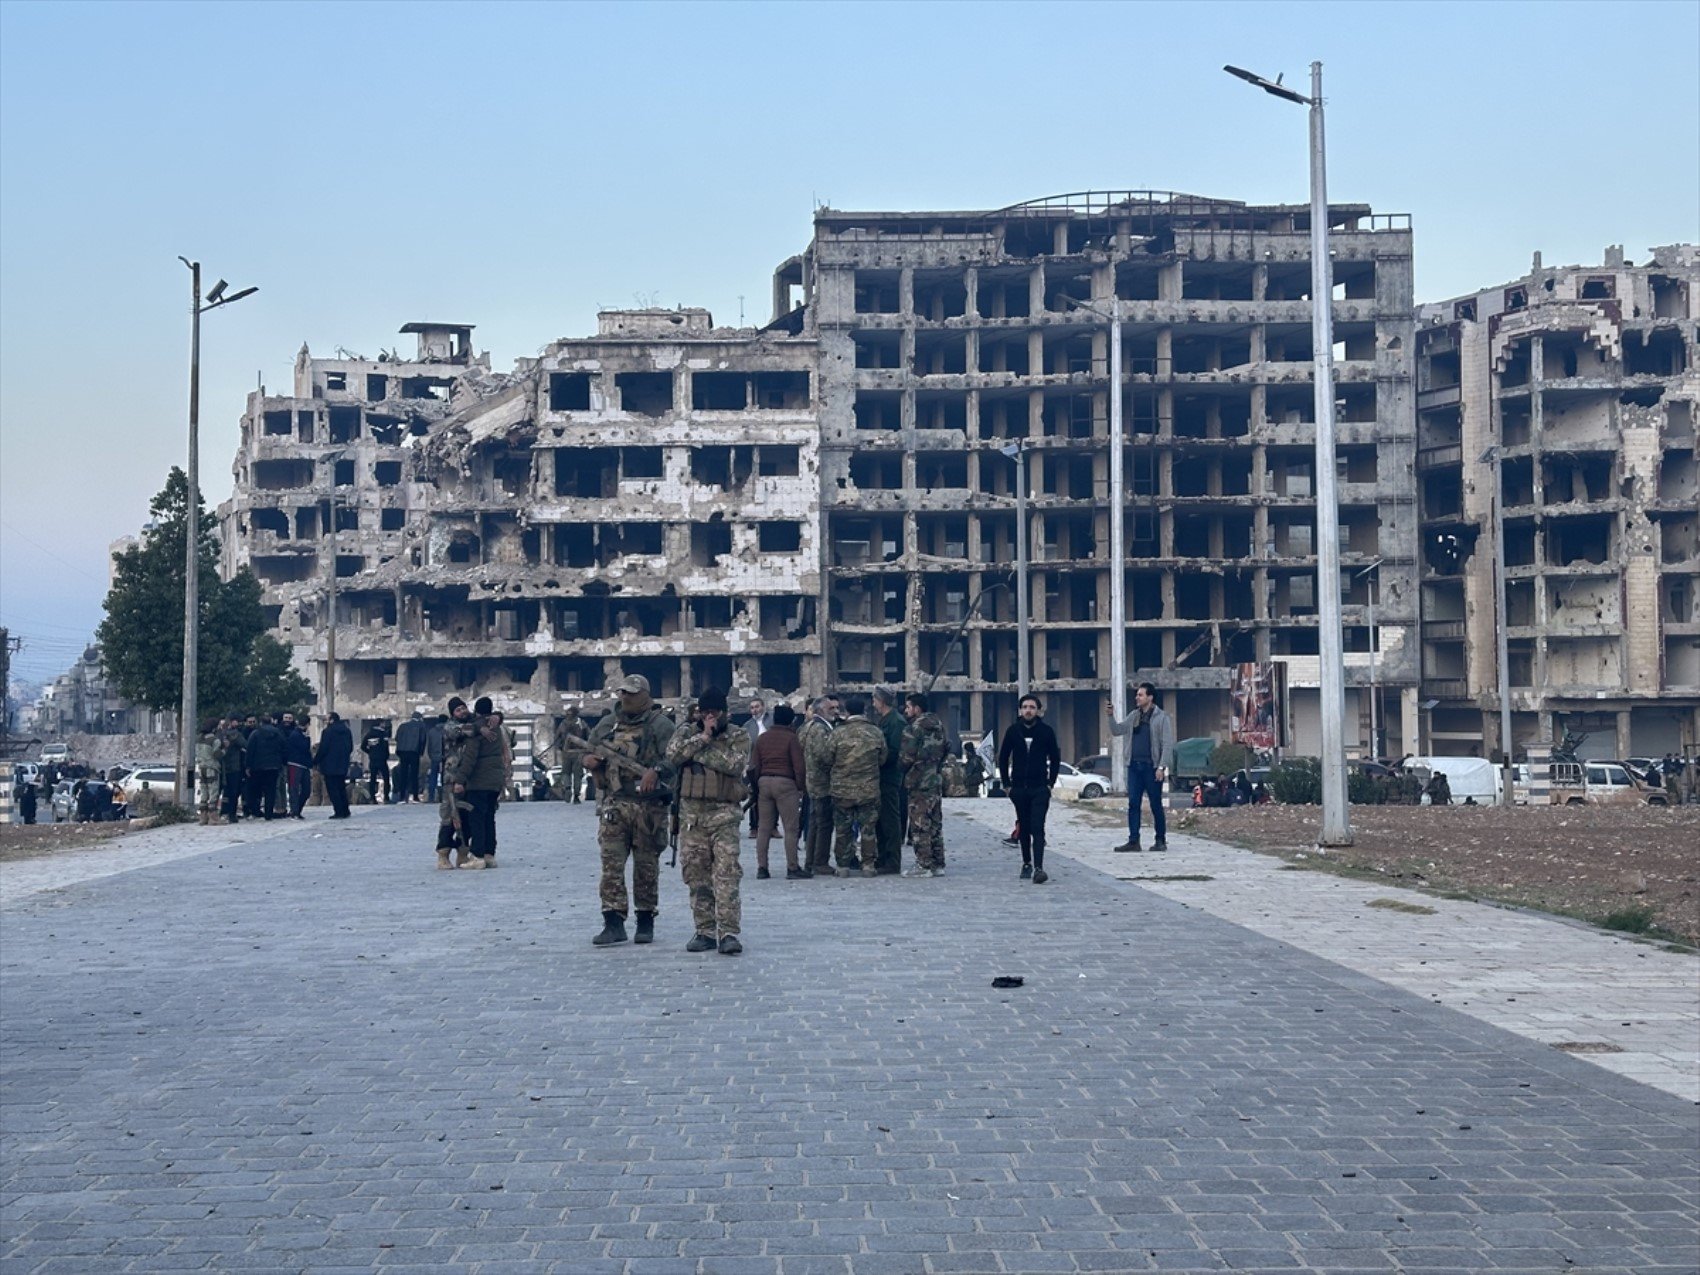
(620,762)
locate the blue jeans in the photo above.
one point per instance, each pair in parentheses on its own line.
(1142,783)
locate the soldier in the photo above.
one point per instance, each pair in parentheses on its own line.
(451,830)
(922,762)
(633,818)
(711,757)
(817,732)
(890,723)
(854,755)
(570,757)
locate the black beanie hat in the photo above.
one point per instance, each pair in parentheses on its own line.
(713,700)
(483,706)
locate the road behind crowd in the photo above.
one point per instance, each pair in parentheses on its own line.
(303,1049)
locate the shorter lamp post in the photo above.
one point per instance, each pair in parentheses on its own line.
(1374,690)
(1502,644)
(1018,453)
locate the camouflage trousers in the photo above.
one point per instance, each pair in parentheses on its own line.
(708,855)
(926,827)
(636,830)
(208,783)
(846,812)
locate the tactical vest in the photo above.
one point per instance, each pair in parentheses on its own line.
(698,783)
(627,738)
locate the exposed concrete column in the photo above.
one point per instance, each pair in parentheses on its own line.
(1036,291)
(906,292)
(971,284)
(1623,733)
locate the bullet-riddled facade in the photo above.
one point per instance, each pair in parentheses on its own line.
(1570,397)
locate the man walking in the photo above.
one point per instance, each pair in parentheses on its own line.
(376,746)
(1150,753)
(331,758)
(758,725)
(922,767)
(781,777)
(632,823)
(409,744)
(711,759)
(854,756)
(1028,763)
(265,763)
(890,723)
(816,733)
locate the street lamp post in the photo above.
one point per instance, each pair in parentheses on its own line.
(187,725)
(1018,453)
(1502,641)
(1374,690)
(1336,823)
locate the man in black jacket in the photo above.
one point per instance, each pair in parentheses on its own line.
(266,756)
(331,758)
(409,743)
(376,746)
(1028,763)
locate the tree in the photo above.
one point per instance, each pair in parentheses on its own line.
(269,681)
(142,636)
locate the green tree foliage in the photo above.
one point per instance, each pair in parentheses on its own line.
(142,636)
(1297,782)
(1226,758)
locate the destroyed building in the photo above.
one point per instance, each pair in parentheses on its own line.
(1562,407)
(822,502)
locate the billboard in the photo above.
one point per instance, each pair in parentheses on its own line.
(1258,695)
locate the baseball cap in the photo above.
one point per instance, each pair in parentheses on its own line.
(635,684)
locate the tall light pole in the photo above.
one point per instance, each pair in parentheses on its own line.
(1118,545)
(1374,691)
(1336,823)
(188,728)
(1501,621)
(1018,453)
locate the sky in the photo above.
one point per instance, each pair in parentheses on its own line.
(518,166)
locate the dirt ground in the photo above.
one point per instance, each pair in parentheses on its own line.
(1587,862)
(18,841)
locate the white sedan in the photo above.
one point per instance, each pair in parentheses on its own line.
(1078,785)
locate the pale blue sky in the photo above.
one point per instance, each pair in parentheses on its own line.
(518,165)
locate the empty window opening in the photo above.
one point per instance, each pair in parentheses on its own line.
(877,292)
(437,387)
(387,473)
(710,613)
(344,424)
(941,353)
(1516,298)
(1599,289)
(336,381)
(569,391)
(724,467)
(1660,352)
(878,411)
(575,545)
(465,546)
(1575,479)
(586,472)
(780,537)
(781,391)
(1670,297)
(628,539)
(1003,356)
(878,349)
(877,471)
(276,424)
(305,426)
(1677,477)
(941,469)
(1572,541)
(645,393)
(933,411)
(392,519)
(1191,476)
(940,298)
(642,462)
(719,391)
(272,520)
(1464,311)
(1005,298)
(779,461)
(342,473)
(710,542)
(284,569)
(377,387)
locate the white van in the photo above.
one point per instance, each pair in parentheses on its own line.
(1467,777)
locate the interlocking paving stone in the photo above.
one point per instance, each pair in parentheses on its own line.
(313,1052)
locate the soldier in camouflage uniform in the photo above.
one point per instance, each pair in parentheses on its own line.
(632,815)
(711,758)
(922,762)
(461,728)
(570,758)
(817,733)
(854,755)
(209,772)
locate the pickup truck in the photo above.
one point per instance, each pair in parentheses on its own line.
(1601,783)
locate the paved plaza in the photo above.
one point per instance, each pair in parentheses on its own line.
(301,1048)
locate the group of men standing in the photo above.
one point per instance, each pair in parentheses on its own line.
(255,768)
(853,768)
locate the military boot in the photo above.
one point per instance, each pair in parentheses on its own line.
(613,930)
(443,864)
(645,928)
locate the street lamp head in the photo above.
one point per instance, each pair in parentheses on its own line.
(237,296)
(1273,87)
(1012,450)
(216,291)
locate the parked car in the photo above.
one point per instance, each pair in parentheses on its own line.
(26,772)
(63,803)
(141,780)
(1601,783)
(1097,764)
(60,753)
(1077,785)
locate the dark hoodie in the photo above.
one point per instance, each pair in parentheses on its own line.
(1028,756)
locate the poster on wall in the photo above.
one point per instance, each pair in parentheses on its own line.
(1258,692)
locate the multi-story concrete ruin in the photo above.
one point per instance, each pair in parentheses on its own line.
(1569,397)
(825,501)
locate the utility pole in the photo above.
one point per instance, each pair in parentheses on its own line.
(330,605)
(1018,453)
(1118,555)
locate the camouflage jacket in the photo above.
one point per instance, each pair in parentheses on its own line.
(709,769)
(854,754)
(817,734)
(458,759)
(567,755)
(643,738)
(922,754)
